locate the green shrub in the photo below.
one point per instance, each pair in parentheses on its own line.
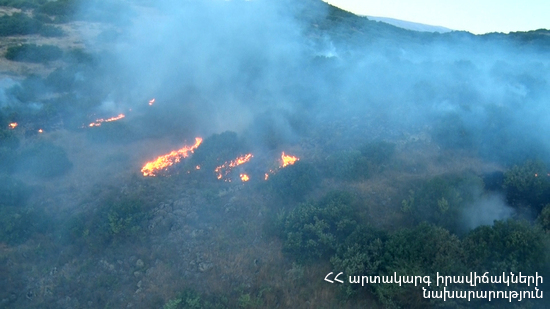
(507,246)
(13,192)
(529,184)
(17,220)
(21,4)
(18,24)
(315,230)
(293,182)
(34,53)
(361,253)
(125,216)
(79,56)
(29,89)
(360,164)
(422,251)
(19,223)
(65,8)
(43,18)
(117,218)
(190,299)
(348,165)
(51,31)
(441,200)
(544,218)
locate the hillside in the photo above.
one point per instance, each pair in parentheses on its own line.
(231,154)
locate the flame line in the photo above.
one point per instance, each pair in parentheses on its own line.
(163,162)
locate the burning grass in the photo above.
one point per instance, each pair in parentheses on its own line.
(98,122)
(162,163)
(224,169)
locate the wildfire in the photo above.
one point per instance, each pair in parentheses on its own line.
(244,177)
(40,131)
(167,160)
(12,125)
(152,101)
(266,176)
(227,166)
(288,160)
(98,122)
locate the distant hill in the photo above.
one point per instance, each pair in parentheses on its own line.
(410,25)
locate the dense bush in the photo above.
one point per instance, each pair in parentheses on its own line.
(21,24)
(17,224)
(49,31)
(544,218)
(506,246)
(422,251)
(18,24)
(362,253)
(189,299)
(360,164)
(44,159)
(62,8)
(117,218)
(13,192)
(28,90)
(18,221)
(529,184)
(315,229)
(34,53)
(22,4)
(294,182)
(348,165)
(125,216)
(441,200)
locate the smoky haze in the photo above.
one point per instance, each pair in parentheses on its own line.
(276,72)
(216,65)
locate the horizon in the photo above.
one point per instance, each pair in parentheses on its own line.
(472,16)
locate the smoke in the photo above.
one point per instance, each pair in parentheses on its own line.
(279,71)
(486,210)
(221,61)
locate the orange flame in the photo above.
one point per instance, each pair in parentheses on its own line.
(152,101)
(227,166)
(167,160)
(40,131)
(98,122)
(13,125)
(266,176)
(288,160)
(244,177)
